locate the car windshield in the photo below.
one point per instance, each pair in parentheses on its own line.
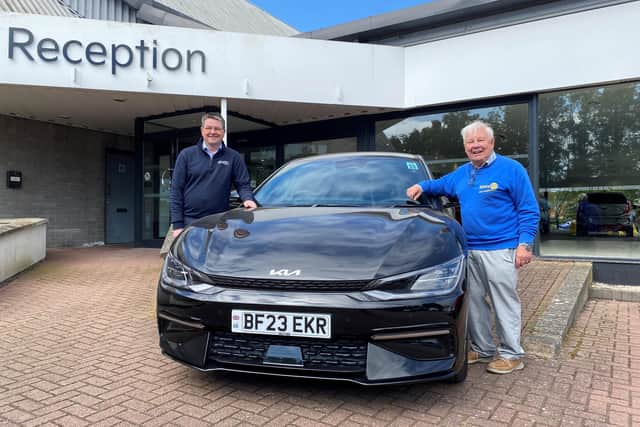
(351,181)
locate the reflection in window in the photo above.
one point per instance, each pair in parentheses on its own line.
(304,149)
(260,161)
(590,171)
(437,136)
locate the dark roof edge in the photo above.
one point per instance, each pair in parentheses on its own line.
(443,13)
(70,9)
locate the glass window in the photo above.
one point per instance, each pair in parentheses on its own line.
(590,171)
(260,161)
(304,149)
(436,137)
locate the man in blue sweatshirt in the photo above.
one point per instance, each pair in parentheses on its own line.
(500,217)
(203,175)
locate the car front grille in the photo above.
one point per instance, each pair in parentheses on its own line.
(290,285)
(337,356)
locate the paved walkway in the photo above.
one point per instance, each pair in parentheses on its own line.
(78,346)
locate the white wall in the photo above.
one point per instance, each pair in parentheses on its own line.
(242,66)
(585,48)
(23,242)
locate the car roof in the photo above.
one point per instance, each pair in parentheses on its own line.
(351,155)
(607,197)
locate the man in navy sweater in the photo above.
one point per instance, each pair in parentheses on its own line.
(203,175)
(500,217)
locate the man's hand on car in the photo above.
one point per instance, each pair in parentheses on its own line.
(414,192)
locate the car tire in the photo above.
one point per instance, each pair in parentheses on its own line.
(461,375)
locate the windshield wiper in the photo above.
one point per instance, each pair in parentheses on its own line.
(411,203)
(336,205)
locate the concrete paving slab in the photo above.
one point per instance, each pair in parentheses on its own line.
(553,318)
(615,292)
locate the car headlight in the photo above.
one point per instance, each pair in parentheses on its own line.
(177,275)
(434,281)
(174,273)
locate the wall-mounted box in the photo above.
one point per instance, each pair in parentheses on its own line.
(14,179)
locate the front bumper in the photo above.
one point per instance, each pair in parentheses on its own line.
(372,342)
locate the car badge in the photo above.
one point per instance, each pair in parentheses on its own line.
(284,272)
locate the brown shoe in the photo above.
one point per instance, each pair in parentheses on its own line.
(505,366)
(474,357)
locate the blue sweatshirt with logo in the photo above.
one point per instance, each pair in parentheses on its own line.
(498,207)
(200,185)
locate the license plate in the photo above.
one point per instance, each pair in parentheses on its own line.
(309,325)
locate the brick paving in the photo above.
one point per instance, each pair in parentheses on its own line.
(78,346)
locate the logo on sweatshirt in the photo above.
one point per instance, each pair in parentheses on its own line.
(223,162)
(486,188)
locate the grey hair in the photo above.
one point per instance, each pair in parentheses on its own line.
(473,126)
(213,116)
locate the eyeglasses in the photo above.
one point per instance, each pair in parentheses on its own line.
(210,128)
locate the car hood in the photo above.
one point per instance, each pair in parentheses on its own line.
(317,243)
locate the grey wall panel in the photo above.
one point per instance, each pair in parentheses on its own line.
(63,171)
(37,7)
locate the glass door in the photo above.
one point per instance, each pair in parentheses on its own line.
(160,153)
(157,167)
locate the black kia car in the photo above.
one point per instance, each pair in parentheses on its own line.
(336,275)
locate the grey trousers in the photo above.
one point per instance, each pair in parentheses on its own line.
(493,274)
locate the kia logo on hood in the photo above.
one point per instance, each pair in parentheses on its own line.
(284,272)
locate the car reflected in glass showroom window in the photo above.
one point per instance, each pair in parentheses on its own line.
(604,213)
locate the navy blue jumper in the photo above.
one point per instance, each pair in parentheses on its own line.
(200,185)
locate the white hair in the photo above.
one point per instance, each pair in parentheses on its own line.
(473,126)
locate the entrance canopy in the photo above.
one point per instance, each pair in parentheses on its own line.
(100,75)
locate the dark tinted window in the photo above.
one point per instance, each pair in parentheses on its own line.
(355,181)
(607,198)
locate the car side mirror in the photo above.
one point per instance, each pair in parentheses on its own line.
(453,205)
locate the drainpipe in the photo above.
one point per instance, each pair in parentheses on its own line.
(223,113)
